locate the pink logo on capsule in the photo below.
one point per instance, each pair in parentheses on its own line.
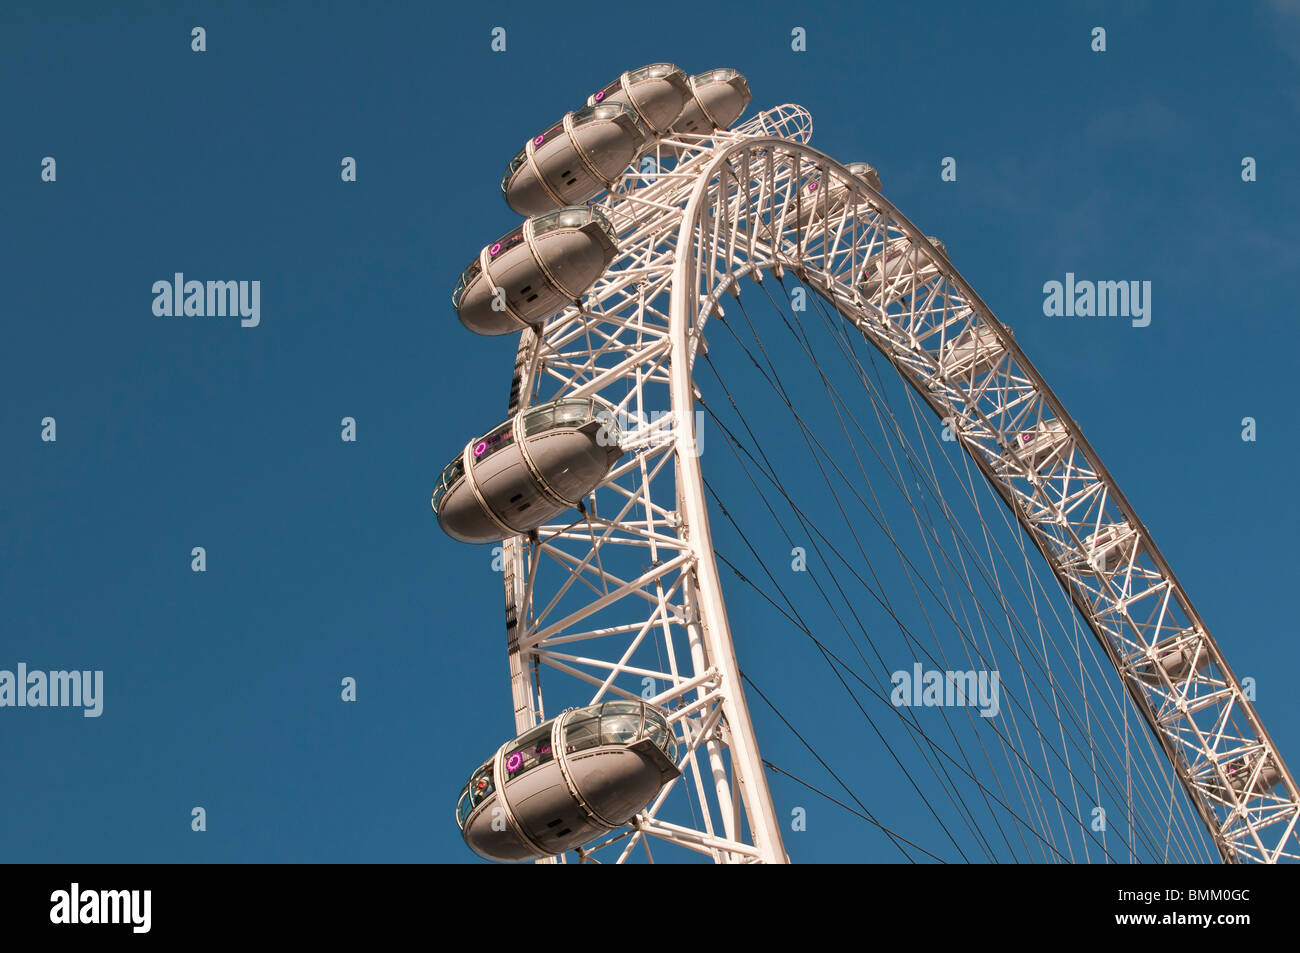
(480,448)
(600,95)
(513,762)
(540,139)
(812,186)
(496,247)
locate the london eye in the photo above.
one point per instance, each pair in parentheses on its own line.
(962,515)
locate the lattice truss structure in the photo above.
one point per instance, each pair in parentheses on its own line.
(626,601)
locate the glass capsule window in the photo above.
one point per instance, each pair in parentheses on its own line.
(721,76)
(451,475)
(499,247)
(569,412)
(539,419)
(658,731)
(605,93)
(506,242)
(496,439)
(653,71)
(582,730)
(598,112)
(515,165)
(466,278)
(715,76)
(606,226)
(554,132)
(529,751)
(572,216)
(478,790)
(607,111)
(618,723)
(572,413)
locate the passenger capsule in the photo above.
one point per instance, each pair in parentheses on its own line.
(580,156)
(1177,656)
(826,202)
(657,92)
(567,781)
(543,265)
(1108,549)
(973,353)
(718,97)
(528,470)
(1036,446)
(1239,773)
(866,173)
(889,275)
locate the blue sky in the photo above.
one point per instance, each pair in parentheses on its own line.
(323,559)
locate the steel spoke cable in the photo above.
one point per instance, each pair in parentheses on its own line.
(874,594)
(838,403)
(865,684)
(872,690)
(865,814)
(832,326)
(831,657)
(942,503)
(753,360)
(884,593)
(948,789)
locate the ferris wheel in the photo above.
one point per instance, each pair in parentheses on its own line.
(648,211)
